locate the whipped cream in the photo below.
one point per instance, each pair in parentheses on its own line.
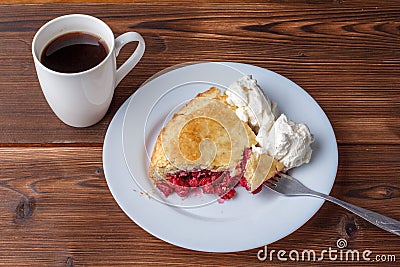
(283,139)
(253,106)
(289,142)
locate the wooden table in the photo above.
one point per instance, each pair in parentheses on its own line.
(55,207)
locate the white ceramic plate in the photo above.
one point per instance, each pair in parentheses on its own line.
(245,222)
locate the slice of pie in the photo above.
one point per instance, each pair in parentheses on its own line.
(205,145)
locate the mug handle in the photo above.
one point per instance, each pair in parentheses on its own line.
(131,62)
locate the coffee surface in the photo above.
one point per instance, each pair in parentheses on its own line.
(74,52)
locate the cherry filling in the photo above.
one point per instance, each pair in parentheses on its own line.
(211,182)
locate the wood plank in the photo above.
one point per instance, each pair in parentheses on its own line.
(56,210)
(345,54)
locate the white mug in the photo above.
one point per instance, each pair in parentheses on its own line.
(82,99)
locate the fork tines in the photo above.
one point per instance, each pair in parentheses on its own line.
(273,180)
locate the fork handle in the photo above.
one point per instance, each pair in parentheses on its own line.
(386,223)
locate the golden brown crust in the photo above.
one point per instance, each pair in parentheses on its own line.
(261,167)
(204,134)
(213,92)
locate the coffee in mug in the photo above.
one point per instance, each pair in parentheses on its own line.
(75,60)
(74,52)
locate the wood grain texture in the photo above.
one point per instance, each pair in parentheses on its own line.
(57,209)
(346,55)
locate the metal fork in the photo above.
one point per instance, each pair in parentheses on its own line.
(289,186)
